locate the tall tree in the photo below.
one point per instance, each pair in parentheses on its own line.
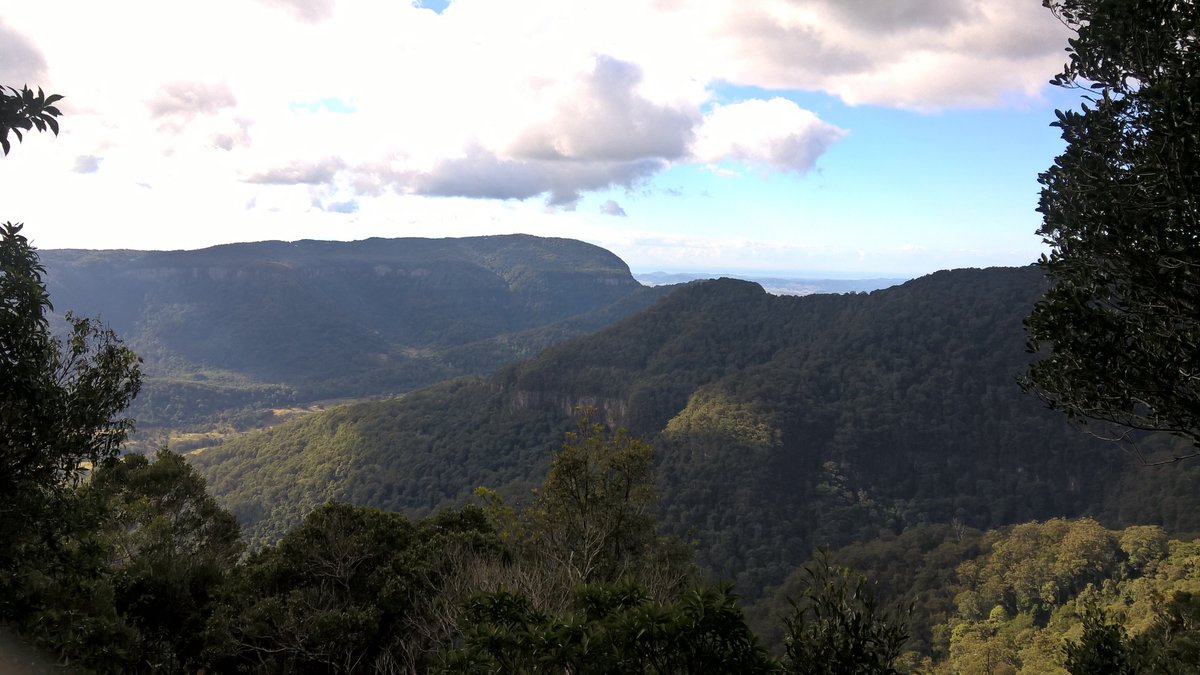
(838,626)
(595,512)
(592,521)
(60,407)
(60,401)
(1120,326)
(170,546)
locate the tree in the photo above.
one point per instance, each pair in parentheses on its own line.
(60,401)
(60,406)
(170,546)
(595,514)
(839,628)
(23,110)
(593,520)
(351,589)
(1103,648)
(1120,324)
(615,628)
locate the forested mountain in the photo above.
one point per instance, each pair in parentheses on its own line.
(781,423)
(242,326)
(780,285)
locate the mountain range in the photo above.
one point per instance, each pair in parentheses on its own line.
(235,329)
(781,424)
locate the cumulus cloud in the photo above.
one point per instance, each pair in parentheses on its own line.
(905,53)
(776,133)
(21,63)
(900,15)
(778,54)
(612,208)
(602,117)
(87,164)
(299,173)
(232,133)
(482,174)
(598,132)
(186,100)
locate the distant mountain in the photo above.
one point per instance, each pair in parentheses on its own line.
(242,326)
(777,285)
(781,423)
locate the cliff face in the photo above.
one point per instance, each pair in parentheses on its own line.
(612,412)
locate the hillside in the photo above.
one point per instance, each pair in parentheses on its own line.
(779,285)
(781,423)
(1016,596)
(242,327)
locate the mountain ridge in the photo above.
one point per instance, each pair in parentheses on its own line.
(781,423)
(257,325)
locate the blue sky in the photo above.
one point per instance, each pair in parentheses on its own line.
(903,193)
(783,137)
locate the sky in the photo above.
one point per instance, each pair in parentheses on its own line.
(849,138)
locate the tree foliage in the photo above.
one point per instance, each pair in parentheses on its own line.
(60,402)
(839,628)
(592,521)
(614,628)
(61,399)
(1102,648)
(169,547)
(595,513)
(22,110)
(1121,323)
(1171,646)
(350,590)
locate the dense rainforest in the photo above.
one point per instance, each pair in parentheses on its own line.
(722,433)
(884,428)
(781,424)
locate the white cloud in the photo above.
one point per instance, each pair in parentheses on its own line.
(481,174)
(908,53)
(775,133)
(299,173)
(612,208)
(493,99)
(602,117)
(87,164)
(305,10)
(186,100)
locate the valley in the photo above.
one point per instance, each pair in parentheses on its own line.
(232,333)
(880,426)
(945,419)
(780,424)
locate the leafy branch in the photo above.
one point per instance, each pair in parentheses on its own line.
(23,110)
